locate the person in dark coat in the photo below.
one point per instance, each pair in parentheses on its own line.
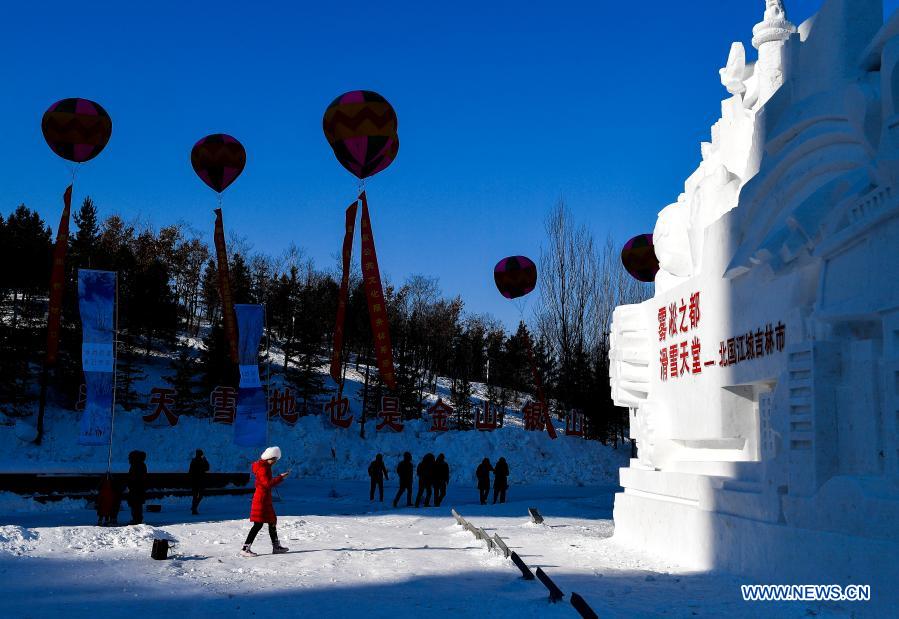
(377,472)
(483,474)
(425,472)
(500,480)
(137,485)
(199,466)
(261,510)
(404,472)
(109,502)
(441,479)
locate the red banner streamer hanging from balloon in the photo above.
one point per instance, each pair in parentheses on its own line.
(344,292)
(377,309)
(57,279)
(225,287)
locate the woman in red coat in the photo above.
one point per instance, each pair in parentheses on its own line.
(261,510)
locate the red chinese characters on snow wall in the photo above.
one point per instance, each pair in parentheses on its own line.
(681,353)
(439,414)
(338,412)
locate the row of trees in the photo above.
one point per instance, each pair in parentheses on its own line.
(168,298)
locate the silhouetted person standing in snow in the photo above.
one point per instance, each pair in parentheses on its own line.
(483,474)
(199,466)
(404,472)
(378,473)
(441,479)
(425,479)
(137,485)
(500,480)
(108,502)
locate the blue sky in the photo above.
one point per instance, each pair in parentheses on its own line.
(503,108)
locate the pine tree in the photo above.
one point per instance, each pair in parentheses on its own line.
(86,241)
(210,289)
(215,362)
(128,374)
(239,277)
(187,382)
(460,396)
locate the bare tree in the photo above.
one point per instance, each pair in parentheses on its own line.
(568,291)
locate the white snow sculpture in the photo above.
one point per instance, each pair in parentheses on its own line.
(763,376)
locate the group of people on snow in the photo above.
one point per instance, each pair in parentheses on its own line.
(500,480)
(433,478)
(109,496)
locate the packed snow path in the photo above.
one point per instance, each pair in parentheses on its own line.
(350,558)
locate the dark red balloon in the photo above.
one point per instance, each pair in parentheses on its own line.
(218,160)
(76,129)
(639,258)
(515,276)
(361,127)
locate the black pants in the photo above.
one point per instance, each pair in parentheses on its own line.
(404,487)
(439,492)
(198,496)
(424,489)
(379,484)
(499,492)
(484,492)
(137,511)
(257,526)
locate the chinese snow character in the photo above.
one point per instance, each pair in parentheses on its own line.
(731,351)
(534,416)
(162,398)
(672,361)
(750,345)
(672,319)
(574,423)
(663,363)
(722,350)
(390,414)
(337,411)
(439,413)
(695,350)
(694,310)
(684,355)
(769,339)
(488,421)
(663,323)
(223,401)
(283,405)
(683,316)
(759,344)
(780,332)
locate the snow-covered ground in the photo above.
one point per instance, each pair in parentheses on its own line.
(351,558)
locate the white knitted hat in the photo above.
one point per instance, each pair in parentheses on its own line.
(271,452)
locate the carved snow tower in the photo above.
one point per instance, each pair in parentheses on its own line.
(763,376)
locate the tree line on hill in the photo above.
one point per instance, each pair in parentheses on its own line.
(168,297)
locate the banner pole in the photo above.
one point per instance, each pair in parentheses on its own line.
(268,372)
(115,360)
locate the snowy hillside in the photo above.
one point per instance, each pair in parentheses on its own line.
(313,447)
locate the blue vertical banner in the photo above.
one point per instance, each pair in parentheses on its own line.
(96,304)
(251,419)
